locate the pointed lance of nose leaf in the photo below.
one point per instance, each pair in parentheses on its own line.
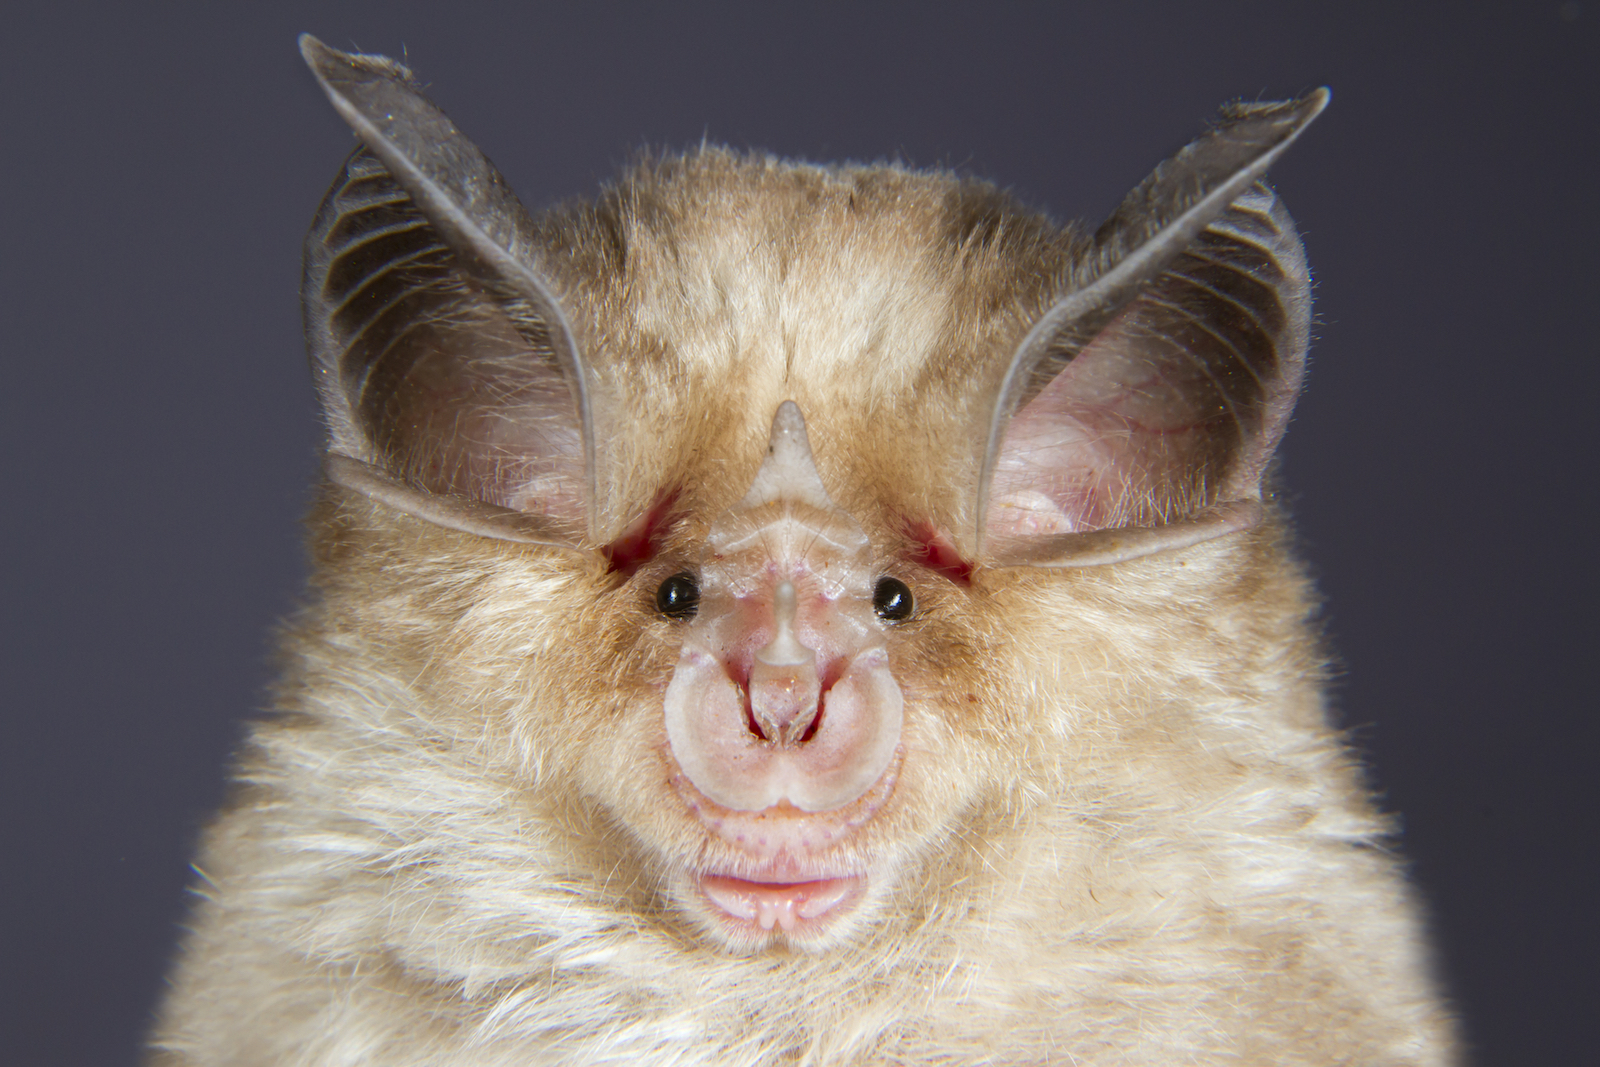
(790,471)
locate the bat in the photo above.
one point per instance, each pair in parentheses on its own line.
(777,613)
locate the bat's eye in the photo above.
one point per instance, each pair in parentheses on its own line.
(892,600)
(679,596)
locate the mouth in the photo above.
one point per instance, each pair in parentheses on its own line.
(782,873)
(795,908)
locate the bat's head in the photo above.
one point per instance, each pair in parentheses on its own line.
(741,542)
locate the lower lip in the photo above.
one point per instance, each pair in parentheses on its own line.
(791,907)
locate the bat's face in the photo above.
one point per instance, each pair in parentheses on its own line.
(759,533)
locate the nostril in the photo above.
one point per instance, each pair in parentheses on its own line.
(750,722)
(816,720)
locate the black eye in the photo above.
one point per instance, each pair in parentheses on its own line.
(679,596)
(892,600)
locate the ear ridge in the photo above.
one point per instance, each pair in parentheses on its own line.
(364,211)
(444,360)
(1265,247)
(1202,288)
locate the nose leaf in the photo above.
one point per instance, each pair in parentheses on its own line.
(746,717)
(784,688)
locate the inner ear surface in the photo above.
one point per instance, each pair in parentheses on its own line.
(448,384)
(1174,406)
(1154,394)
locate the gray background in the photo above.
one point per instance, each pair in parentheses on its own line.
(159,164)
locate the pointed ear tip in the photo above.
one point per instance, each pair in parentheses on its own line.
(331,65)
(326,62)
(1287,118)
(1290,118)
(1315,102)
(313,51)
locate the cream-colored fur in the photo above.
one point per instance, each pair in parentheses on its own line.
(1124,832)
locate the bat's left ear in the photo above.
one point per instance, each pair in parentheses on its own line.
(452,383)
(1140,411)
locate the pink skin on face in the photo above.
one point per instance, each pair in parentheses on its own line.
(783,714)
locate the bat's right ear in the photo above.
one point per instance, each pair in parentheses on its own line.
(453,387)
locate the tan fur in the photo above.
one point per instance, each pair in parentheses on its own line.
(1123,834)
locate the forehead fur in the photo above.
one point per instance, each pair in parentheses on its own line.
(708,288)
